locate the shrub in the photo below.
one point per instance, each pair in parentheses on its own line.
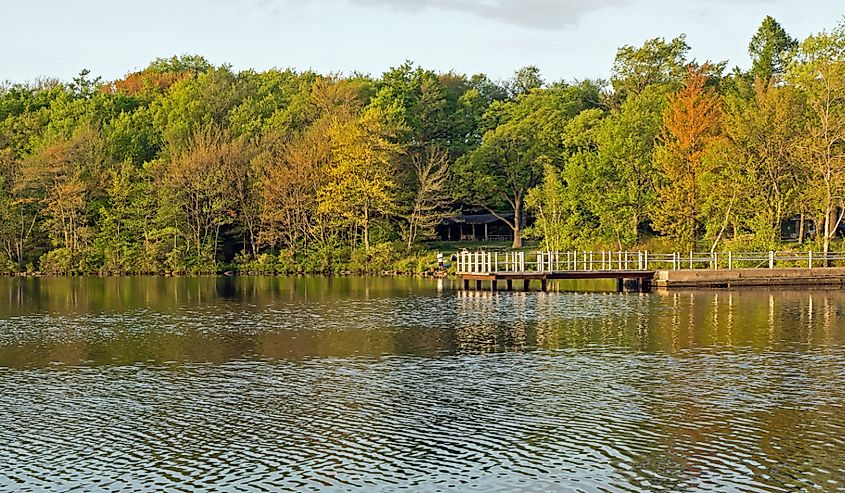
(57,262)
(285,263)
(7,267)
(326,258)
(265,263)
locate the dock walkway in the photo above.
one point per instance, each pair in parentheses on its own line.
(628,269)
(640,271)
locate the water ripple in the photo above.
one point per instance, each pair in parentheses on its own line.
(424,390)
(507,421)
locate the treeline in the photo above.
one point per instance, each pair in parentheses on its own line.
(189,167)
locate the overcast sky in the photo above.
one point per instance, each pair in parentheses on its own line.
(566,39)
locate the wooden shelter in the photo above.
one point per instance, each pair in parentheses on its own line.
(475,227)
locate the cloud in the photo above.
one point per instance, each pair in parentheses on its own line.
(543,14)
(534,14)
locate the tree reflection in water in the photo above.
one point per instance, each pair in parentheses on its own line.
(354,382)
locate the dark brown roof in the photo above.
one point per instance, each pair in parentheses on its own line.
(476,219)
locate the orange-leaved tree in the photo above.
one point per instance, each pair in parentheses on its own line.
(691,125)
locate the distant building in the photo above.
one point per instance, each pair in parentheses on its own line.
(477,227)
(790,229)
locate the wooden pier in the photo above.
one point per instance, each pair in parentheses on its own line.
(625,268)
(640,271)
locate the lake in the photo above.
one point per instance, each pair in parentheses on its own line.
(380,384)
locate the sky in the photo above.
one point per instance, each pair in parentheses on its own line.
(566,39)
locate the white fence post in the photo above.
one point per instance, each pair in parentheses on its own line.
(771,259)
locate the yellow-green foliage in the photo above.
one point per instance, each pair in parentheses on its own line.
(188,167)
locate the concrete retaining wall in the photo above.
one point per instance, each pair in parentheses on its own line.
(834,276)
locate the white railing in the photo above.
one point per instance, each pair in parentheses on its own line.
(483,262)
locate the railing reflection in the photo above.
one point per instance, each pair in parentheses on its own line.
(673,322)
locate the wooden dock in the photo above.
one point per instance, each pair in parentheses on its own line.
(626,280)
(626,269)
(640,271)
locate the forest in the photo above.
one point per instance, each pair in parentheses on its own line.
(186,167)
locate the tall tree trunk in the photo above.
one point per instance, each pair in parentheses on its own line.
(826,241)
(517,224)
(801,230)
(19,253)
(412,233)
(635,227)
(366,229)
(214,247)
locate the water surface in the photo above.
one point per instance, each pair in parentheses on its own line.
(268,384)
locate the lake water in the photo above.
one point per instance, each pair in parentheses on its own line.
(348,384)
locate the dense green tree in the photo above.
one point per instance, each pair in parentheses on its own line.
(549,203)
(622,176)
(196,103)
(763,135)
(117,240)
(194,64)
(769,50)
(657,63)
(819,74)
(498,174)
(526,80)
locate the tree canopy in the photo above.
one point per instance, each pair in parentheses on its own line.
(186,166)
